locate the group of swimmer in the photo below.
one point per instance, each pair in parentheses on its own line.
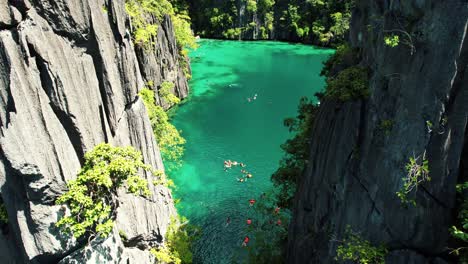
(228,164)
(251,99)
(249,221)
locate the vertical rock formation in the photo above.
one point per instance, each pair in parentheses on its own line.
(69,79)
(357,165)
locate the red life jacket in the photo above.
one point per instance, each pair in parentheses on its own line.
(249,221)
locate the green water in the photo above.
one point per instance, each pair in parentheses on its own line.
(219,124)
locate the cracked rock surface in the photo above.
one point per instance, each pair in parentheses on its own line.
(69,79)
(356,167)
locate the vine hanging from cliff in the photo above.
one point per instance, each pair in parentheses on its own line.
(168,137)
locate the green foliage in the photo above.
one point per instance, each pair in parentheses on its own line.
(3,213)
(341,23)
(386,126)
(351,83)
(169,139)
(251,6)
(343,57)
(123,235)
(232,33)
(183,33)
(179,238)
(323,22)
(354,248)
(166,93)
(145,28)
(91,197)
(418,172)
(460,229)
(392,40)
(296,152)
(269,239)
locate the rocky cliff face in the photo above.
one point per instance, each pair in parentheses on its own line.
(357,165)
(69,78)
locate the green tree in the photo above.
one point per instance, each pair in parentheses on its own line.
(92,196)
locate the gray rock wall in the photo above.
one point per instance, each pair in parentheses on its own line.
(69,78)
(356,168)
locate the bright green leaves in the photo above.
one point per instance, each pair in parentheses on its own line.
(341,23)
(354,248)
(392,40)
(91,195)
(179,238)
(145,28)
(169,139)
(166,93)
(418,173)
(251,6)
(351,83)
(144,32)
(461,232)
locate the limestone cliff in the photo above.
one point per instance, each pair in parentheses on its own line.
(356,165)
(69,78)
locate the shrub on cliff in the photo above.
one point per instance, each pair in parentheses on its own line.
(142,14)
(296,152)
(92,196)
(167,95)
(179,238)
(349,84)
(168,137)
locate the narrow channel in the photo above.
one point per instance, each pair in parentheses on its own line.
(240,94)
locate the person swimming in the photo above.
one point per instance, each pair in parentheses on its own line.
(249,221)
(242,165)
(228,221)
(277,209)
(249,175)
(251,202)
(278,222)
(246,241)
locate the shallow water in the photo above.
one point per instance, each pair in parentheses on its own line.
(219,123)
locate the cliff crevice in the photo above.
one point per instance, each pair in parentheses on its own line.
(417,107)
(69,80)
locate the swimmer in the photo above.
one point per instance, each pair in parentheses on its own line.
(248,99)
(242,165)
(277,209)
(252,201)
(235,163)
(249,175)
(228,221)
(278,222)
(249,221)
(246,240)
